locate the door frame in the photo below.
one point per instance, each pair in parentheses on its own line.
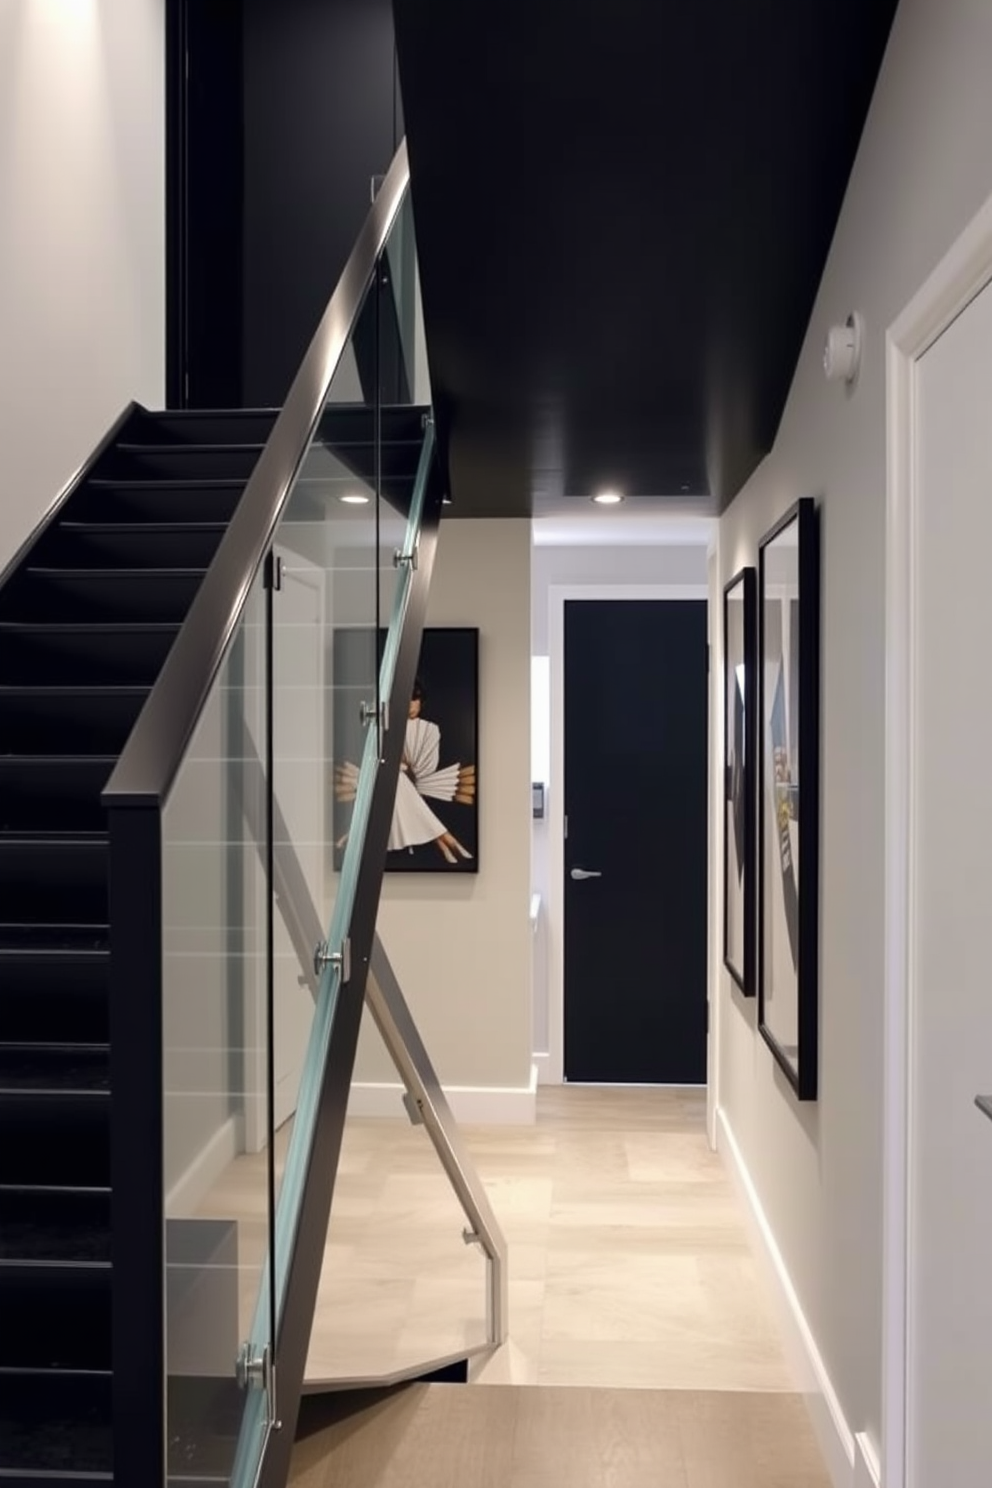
(962,274)
(551,1071)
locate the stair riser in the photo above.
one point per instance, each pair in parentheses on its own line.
(55,1139)
(59,883)
(55,1317)
(99,597)
(93,548)
(181,462)
(196,428)
(105,659)
(62,795)
(58,1001)
(56,1424)
(39,1225)
(54,723)
(192,503)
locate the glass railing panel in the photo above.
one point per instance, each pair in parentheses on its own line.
(400,1292)
(324,681)
(397,564)
(353,646)
(405,375)
(215,1069)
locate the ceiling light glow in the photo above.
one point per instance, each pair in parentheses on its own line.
(607,498)
(355,498)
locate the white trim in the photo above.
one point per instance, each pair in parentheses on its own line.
(811,1378)
(211,1162)
(714,838)
(471,1105)
(553,1072)
(964,272)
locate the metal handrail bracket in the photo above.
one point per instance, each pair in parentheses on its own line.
(155,749)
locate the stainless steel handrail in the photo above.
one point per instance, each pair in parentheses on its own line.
(154,751)
(385,1001)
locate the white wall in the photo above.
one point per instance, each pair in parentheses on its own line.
(923,169)
(82,236)
(646,563)
(461,946)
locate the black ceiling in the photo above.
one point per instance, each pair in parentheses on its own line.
(623,211)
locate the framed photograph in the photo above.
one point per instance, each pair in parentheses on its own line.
(740,659)
(435,827)
(789,792)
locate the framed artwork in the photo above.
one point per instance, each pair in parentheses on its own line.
(740,657)
(789,793)
(435,827)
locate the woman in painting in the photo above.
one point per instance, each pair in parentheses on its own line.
(414,823)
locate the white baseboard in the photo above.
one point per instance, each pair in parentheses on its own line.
(812,1380)
(542,1064)
(867,1473)
(471,1105)
(189,1190)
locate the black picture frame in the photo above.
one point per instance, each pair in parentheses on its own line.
(441,749)
(788,805)
(740,737)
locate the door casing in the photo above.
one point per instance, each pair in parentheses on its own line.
(964,271)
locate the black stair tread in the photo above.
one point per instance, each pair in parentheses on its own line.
(105,574)
(45,628)
(54,1070)
(72,689)
(52,837)
(30,931)
(164,447)
(142,527)
(166,483)
(58,942)
(54,1421)
(48,761)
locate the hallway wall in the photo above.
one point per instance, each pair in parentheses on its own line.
(461,946)
(82,236)
(923,169)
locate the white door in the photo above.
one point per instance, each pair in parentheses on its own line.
(300,784)
(949,1298)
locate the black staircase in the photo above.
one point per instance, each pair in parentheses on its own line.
(87,617)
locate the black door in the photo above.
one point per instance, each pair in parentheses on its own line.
(635,849)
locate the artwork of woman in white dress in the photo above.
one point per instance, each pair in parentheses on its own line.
(424,834)
(423,779)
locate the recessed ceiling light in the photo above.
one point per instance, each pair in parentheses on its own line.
(607,498)
(355,498)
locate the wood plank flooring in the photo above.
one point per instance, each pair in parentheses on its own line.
(629,1261)
(450,1436)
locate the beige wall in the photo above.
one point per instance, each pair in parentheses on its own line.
(82,236)
(461,946)
(924,168)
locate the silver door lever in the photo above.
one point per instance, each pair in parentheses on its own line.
(585,873)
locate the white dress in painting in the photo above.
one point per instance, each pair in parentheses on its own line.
(414,823)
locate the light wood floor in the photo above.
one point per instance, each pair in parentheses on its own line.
(448,1436)
(629,1262)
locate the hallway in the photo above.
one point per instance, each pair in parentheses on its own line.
(642,1346)
(636,1310)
